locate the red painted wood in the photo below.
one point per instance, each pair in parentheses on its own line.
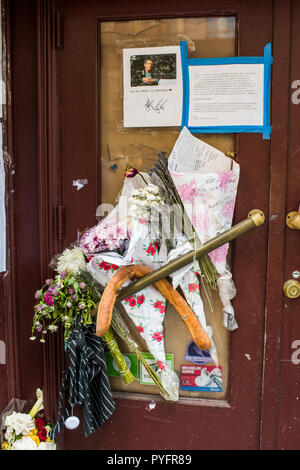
(24,154)
(173,426)
(288,424)
(24,359)
(276,261)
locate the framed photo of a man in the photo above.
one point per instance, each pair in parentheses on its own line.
(152,87)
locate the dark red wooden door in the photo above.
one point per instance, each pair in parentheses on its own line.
(234,422)
(239,421)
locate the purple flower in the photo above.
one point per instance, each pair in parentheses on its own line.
(74,297)
(48,281)
(37,295)
(39,308)
(53,291)
(63,274)
(69,305)
(39,328)
(71,290)
(82,285)
(81,305)
(48,299)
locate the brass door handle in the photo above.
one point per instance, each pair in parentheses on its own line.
(293,220)
(291,288)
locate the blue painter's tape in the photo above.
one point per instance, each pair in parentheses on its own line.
(185,84)
(267,60)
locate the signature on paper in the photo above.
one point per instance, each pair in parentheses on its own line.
(158,107)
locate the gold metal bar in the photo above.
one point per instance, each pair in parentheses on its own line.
(255,219)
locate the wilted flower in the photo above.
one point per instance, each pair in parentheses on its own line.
(37,295)
(130,172)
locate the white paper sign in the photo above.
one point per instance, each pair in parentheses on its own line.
(152,87)
(226,95)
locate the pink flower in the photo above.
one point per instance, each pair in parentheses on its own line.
(201,221)
(228,209)
(188,192)
(48,299)
(140,329)
(224,179)
(140,300)
(162,309)
(114,267)
(161,365)
(219,254)
(193,287)
(157,304)
(157,336)
(106,266)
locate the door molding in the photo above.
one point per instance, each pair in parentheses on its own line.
(276,236)
(49,170)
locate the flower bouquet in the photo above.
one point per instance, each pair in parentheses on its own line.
(63,298)
(25,431)
(69,295)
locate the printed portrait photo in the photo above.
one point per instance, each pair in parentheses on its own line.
(150,70)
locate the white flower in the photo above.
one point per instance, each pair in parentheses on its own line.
(53,328)
(22,423)
(72,261)
(47,446)
(153,189)
(26,443)
(9,434)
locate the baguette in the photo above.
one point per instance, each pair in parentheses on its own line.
(125,273)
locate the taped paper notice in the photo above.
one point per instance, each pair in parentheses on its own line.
(152,87)
(226,95)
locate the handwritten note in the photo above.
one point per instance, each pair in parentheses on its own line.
(192,154)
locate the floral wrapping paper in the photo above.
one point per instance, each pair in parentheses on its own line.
(208,192)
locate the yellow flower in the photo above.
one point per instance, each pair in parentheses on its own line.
(34,438)
(34,431)
(5,445)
